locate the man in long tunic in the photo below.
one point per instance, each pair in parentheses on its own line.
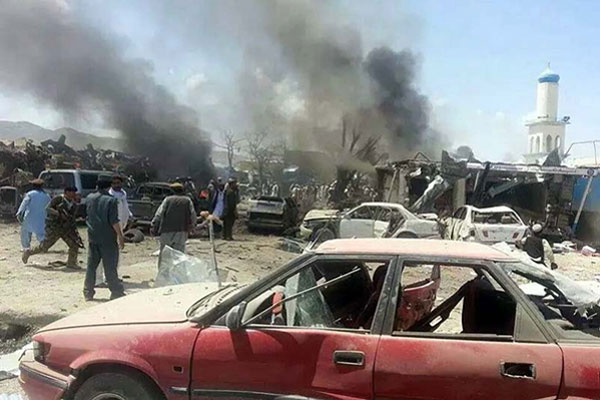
(32,214)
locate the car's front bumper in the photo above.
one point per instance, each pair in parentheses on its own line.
(41,382)
(265,224)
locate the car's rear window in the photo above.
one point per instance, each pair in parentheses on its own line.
(58,180)
(503,218)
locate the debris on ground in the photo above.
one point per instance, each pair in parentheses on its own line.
(177,268)
(588,251)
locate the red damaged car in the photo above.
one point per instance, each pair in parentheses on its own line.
(355,319)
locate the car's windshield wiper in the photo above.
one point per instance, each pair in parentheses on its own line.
(302,293)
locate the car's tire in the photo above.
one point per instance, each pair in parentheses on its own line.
(407,235)
(117,386)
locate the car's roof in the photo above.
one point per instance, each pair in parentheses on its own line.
(414,247)
(157,184)
(383,204)
(491,209)
(87,171)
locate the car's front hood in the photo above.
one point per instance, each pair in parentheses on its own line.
(164,305)
(320,214)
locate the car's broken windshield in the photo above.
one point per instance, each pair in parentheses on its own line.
(570,306)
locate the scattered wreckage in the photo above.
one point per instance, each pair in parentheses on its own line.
(369,220)
(272,213)
(61,166)
(552,194)
(485,225)
(371,302)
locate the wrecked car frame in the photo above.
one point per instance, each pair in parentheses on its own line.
(180,332)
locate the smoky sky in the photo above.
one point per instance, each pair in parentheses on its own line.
(305,68)
(296,69)
(50,54)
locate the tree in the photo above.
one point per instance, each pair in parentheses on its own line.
(231,145)
(360,148)
(261,152)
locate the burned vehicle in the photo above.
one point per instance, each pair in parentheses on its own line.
(145,200)
(10,198)
(341,318)
(372,220)
(485,225)
(316,219)
(272,213)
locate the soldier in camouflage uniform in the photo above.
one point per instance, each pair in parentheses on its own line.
(60,224)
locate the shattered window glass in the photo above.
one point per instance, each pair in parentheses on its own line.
(571,307)
(453,300)
(310,309)
(326,294)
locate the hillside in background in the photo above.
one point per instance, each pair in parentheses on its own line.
(78,140)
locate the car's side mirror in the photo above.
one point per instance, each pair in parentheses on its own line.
(233,319)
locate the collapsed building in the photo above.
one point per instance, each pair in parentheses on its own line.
(556,195)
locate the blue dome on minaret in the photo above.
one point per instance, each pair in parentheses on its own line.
(548,76)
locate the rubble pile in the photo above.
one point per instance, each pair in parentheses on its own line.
(20,163)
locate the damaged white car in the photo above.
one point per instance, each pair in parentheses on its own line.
(485,225)
(369,220)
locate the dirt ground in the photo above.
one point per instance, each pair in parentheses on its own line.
(38,293)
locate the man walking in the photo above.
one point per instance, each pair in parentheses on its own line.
(32,214)
(230,209)
(105,239)
(116,190)
(174,219)
(60,224)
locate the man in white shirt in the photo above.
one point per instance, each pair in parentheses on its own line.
(116,191)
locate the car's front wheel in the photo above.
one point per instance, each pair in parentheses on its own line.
(117,386)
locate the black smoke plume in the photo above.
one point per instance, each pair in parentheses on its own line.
(48,53)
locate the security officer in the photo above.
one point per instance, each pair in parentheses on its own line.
(60,224)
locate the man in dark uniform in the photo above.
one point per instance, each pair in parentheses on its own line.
(60,224)
(230,209)
(105,239)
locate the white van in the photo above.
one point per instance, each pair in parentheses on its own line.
(56,180)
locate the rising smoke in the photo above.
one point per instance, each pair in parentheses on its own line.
(300,70)
(45,51)
(309,48)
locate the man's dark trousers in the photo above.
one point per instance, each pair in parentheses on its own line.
(109,254)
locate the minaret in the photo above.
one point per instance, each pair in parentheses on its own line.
(546,131)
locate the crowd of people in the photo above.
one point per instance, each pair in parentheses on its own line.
(107,215)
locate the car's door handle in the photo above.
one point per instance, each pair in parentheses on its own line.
(517,370)
(353,358)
